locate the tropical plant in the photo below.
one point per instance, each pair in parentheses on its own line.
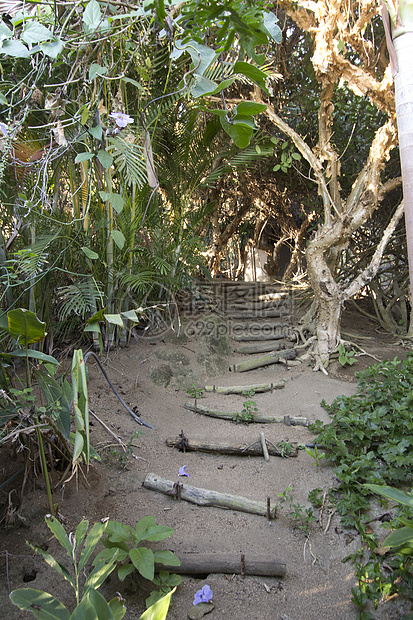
(124,543)
(90,603)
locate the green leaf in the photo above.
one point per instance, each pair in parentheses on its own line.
(52,48)
(104,195)
(400,537)
(51,561)
(77,446)
(143,560)
(252,73)
(36,355)
(202,86)
(58,531)
(391,493)
(92,540)
(80,533)
(34,32)
(114,319)
(14,48)
(90,253)
(100,606)
(131,316)
(117,607)
(134,83)
(95,70)
(241,133)
(249,108)
(147,529)
(5,30)
(125,570)
(43,605)
(92,16)
(105,159)
(86,156)
(159,610)
(201,55)
(164,556)
(272,28)
(99,574)
(117,202)
(3,100)
(26,326)
(117,532)
(118,238)
(96,131)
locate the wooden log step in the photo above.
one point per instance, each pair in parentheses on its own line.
(262,347)
(265,360)
(229,563)
(256,304)
(259,333)
(228,447)
(205,497)
(259,418)
(240,389)
(258,314)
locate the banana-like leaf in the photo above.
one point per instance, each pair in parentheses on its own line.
(159,610)
(391,493)
(25,325)
(399,538)
(43,605)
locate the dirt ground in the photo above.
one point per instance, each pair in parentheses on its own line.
(317,584)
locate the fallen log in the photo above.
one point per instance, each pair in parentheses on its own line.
(207,563)
(205,497)
(265,360)
(226,447)
(240,389)
(261,347)
(260,418)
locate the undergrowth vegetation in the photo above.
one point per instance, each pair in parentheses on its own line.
(370,442)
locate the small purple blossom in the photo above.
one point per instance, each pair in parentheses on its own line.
(121,119)
(203,596)
(182,471)
(4,129)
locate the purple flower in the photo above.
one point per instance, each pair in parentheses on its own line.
(203,596)
(3,129)
(121,119)
(182,471)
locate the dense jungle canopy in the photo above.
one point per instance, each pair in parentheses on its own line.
(144,145)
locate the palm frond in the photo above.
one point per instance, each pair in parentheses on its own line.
(129,159)
(80,298)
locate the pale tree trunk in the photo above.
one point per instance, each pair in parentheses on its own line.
(402,37)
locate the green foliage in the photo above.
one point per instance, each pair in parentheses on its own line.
(345,357)
(401,539)
(287,156)
(316,455)
(124,542)
(249,408)
(90,604)
(79,549)
(299,516)
(370,440)
(195,392)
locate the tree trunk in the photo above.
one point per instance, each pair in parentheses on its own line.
(403,44)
